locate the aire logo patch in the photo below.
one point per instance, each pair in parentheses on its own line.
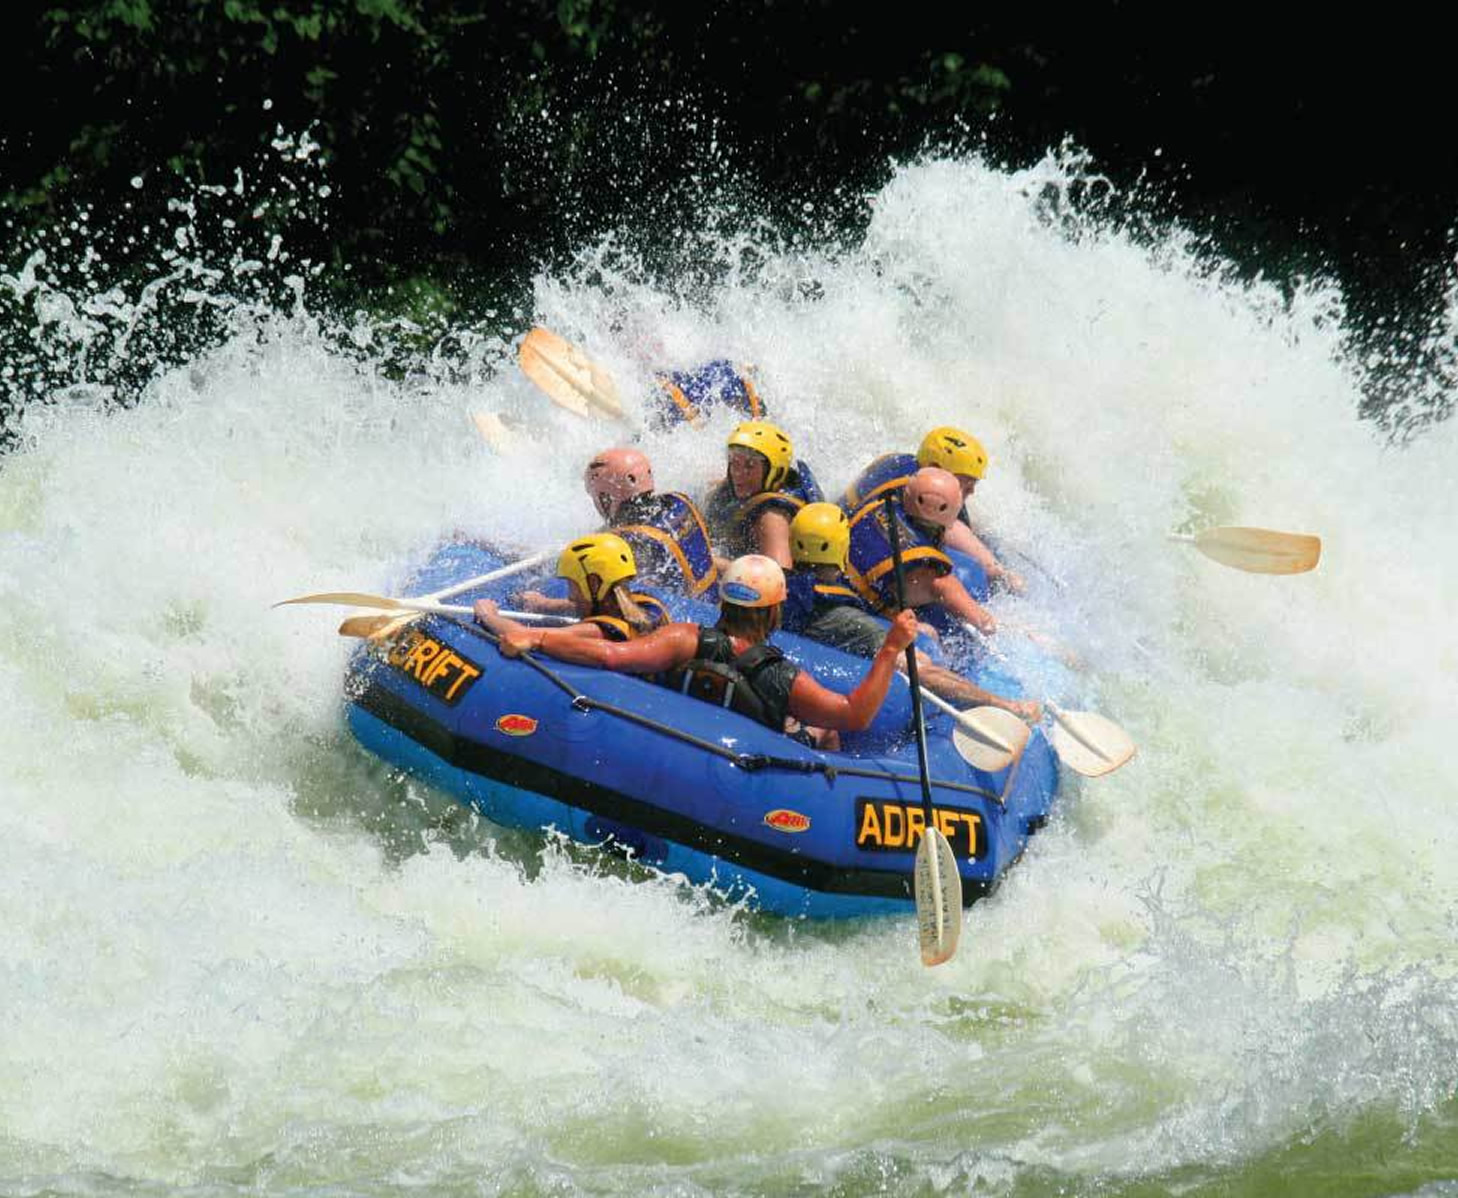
(782,819)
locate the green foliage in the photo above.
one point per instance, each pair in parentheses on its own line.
(466,132)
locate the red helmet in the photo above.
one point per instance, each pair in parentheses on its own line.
(617,475)
(934,495)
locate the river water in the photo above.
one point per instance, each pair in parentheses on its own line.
(240,955)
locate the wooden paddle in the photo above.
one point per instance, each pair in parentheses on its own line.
(1088,743)
(988,738)
(418,606)
(1257,550)
(568,376)
(395,623)
(369,627)
(936,881)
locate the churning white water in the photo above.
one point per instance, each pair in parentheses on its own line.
(236,953)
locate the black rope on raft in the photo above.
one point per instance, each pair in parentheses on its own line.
(749,762)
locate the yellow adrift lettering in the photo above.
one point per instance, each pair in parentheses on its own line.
(443,662)
(420,657)
(915,825)
(897,816)
(401,647)
(468,673)
(886,824)
(947,822)
(870,832)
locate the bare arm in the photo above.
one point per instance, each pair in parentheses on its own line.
(536,601)
(964,540)
(811,703)
(669,646)
(956,689)
(952,595)
(772,537)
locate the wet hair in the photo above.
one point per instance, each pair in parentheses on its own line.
(751,623)
(638,620)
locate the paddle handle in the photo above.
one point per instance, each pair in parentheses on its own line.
(481,580)
(453,609)
(970,725)
(893,530)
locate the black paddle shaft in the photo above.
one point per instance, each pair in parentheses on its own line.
(893,532)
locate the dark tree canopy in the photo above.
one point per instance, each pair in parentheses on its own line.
(473,137)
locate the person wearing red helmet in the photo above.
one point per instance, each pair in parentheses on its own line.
(961,454)
(666,531)
(732,664)
(925,507)
(823,606)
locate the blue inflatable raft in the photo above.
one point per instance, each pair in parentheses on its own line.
(682,785)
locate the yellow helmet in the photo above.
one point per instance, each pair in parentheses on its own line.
(767,439)
(752,581)
(605,556)
(954,450)
(820,535)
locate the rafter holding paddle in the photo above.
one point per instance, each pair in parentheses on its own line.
(416,607)
(371,627)
(936,881)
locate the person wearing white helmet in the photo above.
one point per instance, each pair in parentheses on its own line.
(732,664)
(924,508)
(597,570)
(823,605)
(960,454)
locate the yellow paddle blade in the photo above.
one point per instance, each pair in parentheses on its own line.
(1088,743)
(350,599)
(989,738)
(569,377)
(374,628)
(938,888)
(1259,550)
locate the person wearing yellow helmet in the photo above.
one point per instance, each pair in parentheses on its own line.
(960,454)
(822,604)
(764,486)
(732,664)
(597,570)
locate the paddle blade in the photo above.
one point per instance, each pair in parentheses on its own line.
(1088,743)
(938,888)
(1260,550)
(372,627)
(569,377)
(989,739)
(494,431)
(349,599)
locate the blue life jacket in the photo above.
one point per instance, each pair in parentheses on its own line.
(887,473)
(687,396)
(871,566)
(731,519)
(669,541)
(805,594)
